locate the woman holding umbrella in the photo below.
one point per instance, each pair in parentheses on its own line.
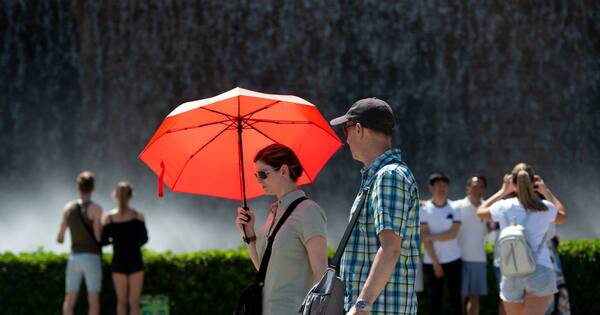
(299,253)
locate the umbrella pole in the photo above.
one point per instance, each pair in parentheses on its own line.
(243,176)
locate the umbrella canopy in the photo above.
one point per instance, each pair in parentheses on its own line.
(207,146)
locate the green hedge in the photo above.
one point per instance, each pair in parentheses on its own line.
(209,282)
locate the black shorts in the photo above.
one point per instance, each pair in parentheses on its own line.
(127,265)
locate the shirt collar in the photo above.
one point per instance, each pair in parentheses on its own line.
(288,198)
(468,201)
(388,157)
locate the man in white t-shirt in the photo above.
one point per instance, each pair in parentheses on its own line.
(440,224)
(471,239)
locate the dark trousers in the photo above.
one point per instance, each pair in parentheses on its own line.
(452,277)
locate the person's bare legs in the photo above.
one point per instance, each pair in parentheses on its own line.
(120,284)
(94,303)
(473,305)
(536,304)
(136,282)
(514,308)
(69,303)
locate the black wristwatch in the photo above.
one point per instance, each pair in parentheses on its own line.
(249,239)
(362,306)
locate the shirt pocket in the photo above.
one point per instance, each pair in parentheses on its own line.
(366,217)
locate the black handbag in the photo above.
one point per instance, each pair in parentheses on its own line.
(250,302)
(327,296)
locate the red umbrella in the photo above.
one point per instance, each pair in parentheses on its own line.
(203,146)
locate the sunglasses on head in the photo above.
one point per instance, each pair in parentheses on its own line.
(346,126)
(262,175)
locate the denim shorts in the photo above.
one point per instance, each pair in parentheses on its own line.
(87,266)
(540,283)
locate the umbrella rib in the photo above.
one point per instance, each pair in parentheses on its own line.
(217,112)
(291,122)
(280,122)
(199,126)
(192,156)
(261,109)
(262,133)
(184,129)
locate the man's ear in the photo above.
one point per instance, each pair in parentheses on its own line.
(359,129)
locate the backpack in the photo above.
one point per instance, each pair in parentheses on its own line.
(517,258)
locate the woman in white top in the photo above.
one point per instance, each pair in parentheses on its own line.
(299,253)
(532,293)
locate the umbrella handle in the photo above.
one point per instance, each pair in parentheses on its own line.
(247,219)
(161,192)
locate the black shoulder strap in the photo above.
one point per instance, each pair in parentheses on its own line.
(264,263)
(335,262)
(81,208)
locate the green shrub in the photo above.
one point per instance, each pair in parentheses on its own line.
(209,282)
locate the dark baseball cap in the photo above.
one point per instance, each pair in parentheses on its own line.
(372,113)
(438,177)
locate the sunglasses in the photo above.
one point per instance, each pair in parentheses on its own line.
(262,175)
(345,128)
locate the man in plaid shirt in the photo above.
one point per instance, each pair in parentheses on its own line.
(380,260)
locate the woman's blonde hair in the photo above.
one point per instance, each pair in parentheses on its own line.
(123,193)
(522,176)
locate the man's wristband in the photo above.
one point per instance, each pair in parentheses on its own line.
(249,239)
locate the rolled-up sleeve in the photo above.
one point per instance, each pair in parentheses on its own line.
(456,216)
(313,223)
(391,203)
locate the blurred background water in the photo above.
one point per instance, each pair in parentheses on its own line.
(476,87)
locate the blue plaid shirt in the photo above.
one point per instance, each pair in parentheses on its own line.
(392,204)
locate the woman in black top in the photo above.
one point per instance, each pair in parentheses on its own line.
(125,229)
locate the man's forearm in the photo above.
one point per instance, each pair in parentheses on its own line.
(60,237)
(430,251)
(383,267)
(448,235)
